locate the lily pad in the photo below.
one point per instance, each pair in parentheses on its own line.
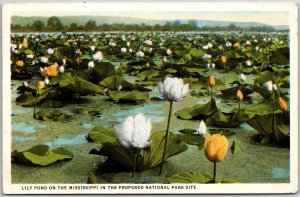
(149,157)
(102,135)
(228,120)
(79,85)
(264,124)
(235,149)
(198,112)
(28,99)
(148,74)
(129,97)
(51,115)
(87,111)
(40,155)
(113,82)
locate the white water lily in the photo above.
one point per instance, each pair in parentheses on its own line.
(205,47)
(173,89)
(46,81)
(248,62)
(44,59)
(242,77)
(247,42)
(25,83)
(169,52)
(64,61)
(128,44)
(123,50)
(41,69)
(98,56)
(30,56)
(148,42)
(91,64)
(140,54)
(130,50)
(206,56)
(119,87)
(270,86)
(209,45)
(202,128)
(92,48)
(61,69)
(134,132)
(228,44)
(50,51)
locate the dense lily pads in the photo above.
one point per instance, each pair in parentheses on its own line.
(148,157)
(113,82)
(264,124)
(129,97)
(198,112)
(228,120)
(40,155)
(28,99)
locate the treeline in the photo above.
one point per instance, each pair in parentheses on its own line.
(54,24)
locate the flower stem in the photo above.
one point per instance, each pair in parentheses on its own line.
(224,72)
(166,137)
(115,81)
(215,171)
(133,161)
(239,105)
(273,117)
(211,93)
(34,115)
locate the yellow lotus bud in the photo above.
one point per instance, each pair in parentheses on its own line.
(50,71)
(40,85)
(239,95)
(211,81)
(25,44)
(236,45)
(66,44)
(20,63)
(164,59)
(224,59)
(282,104)
(78,60)
(215,147)
(147,65)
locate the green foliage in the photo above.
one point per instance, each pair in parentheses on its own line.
(129,97)
(40,155)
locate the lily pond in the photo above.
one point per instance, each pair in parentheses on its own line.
(155,107)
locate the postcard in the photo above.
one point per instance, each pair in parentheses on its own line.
(150,98)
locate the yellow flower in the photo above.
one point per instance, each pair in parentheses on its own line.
(20,63)
(50,71)
(282,104)
(66,44)
(211,81)
(147,65)
(236,45)
(215,147)
(25,44)
(223,59)
(40,85)
(164,59)
(239,95)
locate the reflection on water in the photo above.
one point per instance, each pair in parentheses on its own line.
(87,125)
(280,173)
(22,139)
(78,139)
(26,127)
(21,111)
(153,111)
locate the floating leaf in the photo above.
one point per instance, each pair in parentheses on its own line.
(41,156)
(113,82)
(103,70)
(51,115)
(88,111)
(102,135)
(192,139)
(190,177)
(148,74)
(79,85)
(234,148)
(148,157)
(129,97)
(198,112)
(228,120)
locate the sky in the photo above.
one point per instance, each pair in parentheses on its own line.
(160,12)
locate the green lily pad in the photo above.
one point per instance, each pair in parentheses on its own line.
(225,132)
(51,115)
(231,92)
(171,70)
(40,155)
(149,157)
(129,97)
(264,124)
(192,139)
(103,70)
(92,179)
(87,111)
(228,120)
(102,135)
(190,177)
(27,99)
(79,85)
(113,82)
(148,74)
(198,112)
(235,149)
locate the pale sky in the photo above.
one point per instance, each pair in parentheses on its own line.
(161,12)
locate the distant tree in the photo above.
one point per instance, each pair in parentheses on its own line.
(91,25)
(73,26)
(54,23)
(192,24)
(38,25)
(231,27)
